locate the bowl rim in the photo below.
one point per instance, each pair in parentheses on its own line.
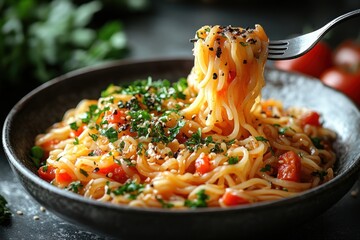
(16,162)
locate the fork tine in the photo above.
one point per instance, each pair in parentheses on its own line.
(278,48)
(278,43)
(276,52)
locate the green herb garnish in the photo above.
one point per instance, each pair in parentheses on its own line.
(199,202)
(5,212)
(266,168)
(233,160)
(36,154)
(261,138)
(74,186)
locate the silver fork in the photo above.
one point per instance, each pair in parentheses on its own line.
(295,47)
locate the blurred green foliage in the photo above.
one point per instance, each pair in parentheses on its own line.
(40,39)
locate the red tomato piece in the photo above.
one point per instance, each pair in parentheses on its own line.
(289,167)
(230,199)
(116,117)
(202,164)
(312,63)
(47,173)
(63,177)
(114,172)
(311,118)
(79,130)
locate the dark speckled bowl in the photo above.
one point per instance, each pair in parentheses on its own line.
(47,104)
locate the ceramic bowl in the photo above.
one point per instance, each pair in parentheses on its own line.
(46,104)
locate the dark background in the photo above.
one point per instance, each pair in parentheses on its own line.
(162,29)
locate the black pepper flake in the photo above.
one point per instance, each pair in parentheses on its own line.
(215,76)
(251,40)
(218,52)
(211,49)
(96,169)
(244,61)
(226,64)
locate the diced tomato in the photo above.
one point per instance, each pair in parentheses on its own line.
(289,167)
(47,173)
(311,118)
(202,164)
(230,199)
(116,117)
(78,131)
(114,172)
(63,177)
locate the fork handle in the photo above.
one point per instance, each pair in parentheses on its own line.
(337,20)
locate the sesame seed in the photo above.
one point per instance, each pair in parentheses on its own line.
(19,213)
(42,209)
(36,217)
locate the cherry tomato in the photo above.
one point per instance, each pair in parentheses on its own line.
(289,167)
(47,173)
(345,75)
(347,54)
(312,63)
(114,172)
(230,199)
(344,81)
(202,164)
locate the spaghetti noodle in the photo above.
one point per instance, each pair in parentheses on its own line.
(209,140)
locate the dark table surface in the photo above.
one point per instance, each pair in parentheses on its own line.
(164,31)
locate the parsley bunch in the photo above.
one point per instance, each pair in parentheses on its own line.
(4,210)
(43,39)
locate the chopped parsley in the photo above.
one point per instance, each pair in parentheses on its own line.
(94,137)
(266,168)
(74,186)
(76,141)
(74,126)
(199,202)
(233,160)
(317,142)
(110,133)
(163,203)
(133,189)
(261,138)
(36,155)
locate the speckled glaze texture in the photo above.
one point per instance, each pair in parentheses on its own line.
(47,104)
